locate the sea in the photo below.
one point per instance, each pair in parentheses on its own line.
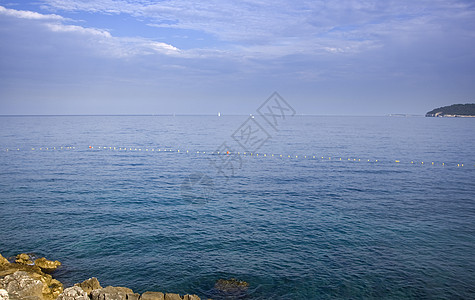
(301,207)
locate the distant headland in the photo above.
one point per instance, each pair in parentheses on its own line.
(455,110)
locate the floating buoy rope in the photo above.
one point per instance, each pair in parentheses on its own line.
(309,157)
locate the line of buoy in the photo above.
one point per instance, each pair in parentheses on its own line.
(329,158)
(249,154)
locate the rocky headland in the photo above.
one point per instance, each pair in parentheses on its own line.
(454,111)
(25,279)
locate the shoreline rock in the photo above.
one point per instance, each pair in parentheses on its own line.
(23,259)
(47,266)
(28,280)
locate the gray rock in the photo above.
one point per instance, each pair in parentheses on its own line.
(73,293)
(152,296)
(89,285)
(20,285)
(113,293)
(3,294)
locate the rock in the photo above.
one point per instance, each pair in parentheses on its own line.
(22,286)
(51,288)
(134,296)
(47,265)
(231,285)
(3,260)
(89,285)
(152,296)
(169,296)
(3,294)
(73,293)
(23,259)
(191,297)
(113,293)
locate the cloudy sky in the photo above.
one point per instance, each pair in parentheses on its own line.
(347,57)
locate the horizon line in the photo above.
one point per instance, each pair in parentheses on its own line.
(204,115)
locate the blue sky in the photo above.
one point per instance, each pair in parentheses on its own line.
(357,57)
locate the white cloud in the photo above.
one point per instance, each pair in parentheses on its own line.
(24,14)
(164,48)
(279,27)
(103,42)
(78,29)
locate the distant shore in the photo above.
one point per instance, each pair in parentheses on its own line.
(454,111)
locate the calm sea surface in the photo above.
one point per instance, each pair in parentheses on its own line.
(294,228)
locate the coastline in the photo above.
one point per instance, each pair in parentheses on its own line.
(33,280)
(449,116)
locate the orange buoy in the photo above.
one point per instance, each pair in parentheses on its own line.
(90,147)
(227,152)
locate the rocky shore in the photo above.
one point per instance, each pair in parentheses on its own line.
(26,279)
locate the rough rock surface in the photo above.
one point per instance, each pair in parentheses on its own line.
(89,285)
(23,259)
(73,293)
(3,295)
(3,260)
(20,285)
(113,293)
(152,296)
(191,297)
(51,288)
(47,265)
(169,296)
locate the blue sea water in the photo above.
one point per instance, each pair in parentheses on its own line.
(294,227)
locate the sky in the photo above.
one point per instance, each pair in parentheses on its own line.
(347,57)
